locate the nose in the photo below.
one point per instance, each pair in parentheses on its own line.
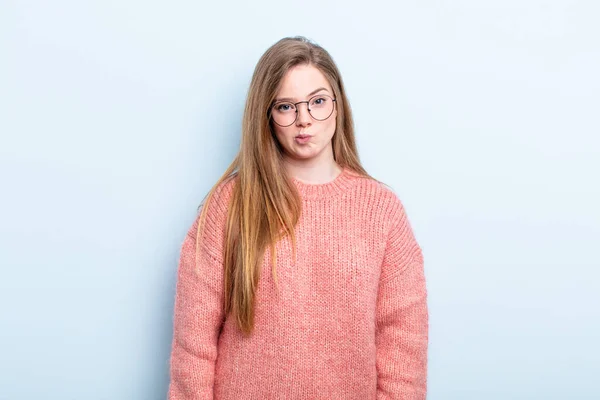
(304,118)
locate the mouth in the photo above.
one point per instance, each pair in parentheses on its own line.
(303,139)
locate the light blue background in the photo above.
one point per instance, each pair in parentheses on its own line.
(116,117)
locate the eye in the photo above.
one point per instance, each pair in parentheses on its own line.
(319,101)
(284,107)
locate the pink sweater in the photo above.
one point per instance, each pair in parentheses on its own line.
(350,320)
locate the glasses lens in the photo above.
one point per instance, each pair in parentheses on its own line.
(284,114)
(321,107)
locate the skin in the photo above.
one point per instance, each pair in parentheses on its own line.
(310,162)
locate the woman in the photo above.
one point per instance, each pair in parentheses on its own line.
(301,277)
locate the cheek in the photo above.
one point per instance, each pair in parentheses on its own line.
(282,132)
(331,124)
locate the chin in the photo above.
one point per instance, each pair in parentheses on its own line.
(307,154)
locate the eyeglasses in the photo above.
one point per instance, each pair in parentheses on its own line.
(320,107)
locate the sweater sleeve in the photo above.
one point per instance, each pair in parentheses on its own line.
(402,315)
(198,314)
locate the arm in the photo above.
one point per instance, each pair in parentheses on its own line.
(402,315)
(198,313)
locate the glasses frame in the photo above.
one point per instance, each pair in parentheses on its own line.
(333,99)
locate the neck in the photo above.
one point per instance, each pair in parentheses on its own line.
(315,173)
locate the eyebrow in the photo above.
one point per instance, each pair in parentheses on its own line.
(292,99)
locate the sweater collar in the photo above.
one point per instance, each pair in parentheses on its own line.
(314,191)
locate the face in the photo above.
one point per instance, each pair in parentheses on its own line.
(303,83)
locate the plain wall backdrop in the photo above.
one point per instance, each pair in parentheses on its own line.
(116,117)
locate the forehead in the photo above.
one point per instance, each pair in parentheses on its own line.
(300,80)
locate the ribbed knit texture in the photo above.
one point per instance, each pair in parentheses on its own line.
(350,320)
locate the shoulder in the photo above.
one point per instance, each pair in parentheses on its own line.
(377,187)
(401,245)
(224,190)
(382,196)
(215,207)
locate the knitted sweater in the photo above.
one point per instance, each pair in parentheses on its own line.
(350,320)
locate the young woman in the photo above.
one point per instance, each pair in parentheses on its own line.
(301,277)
